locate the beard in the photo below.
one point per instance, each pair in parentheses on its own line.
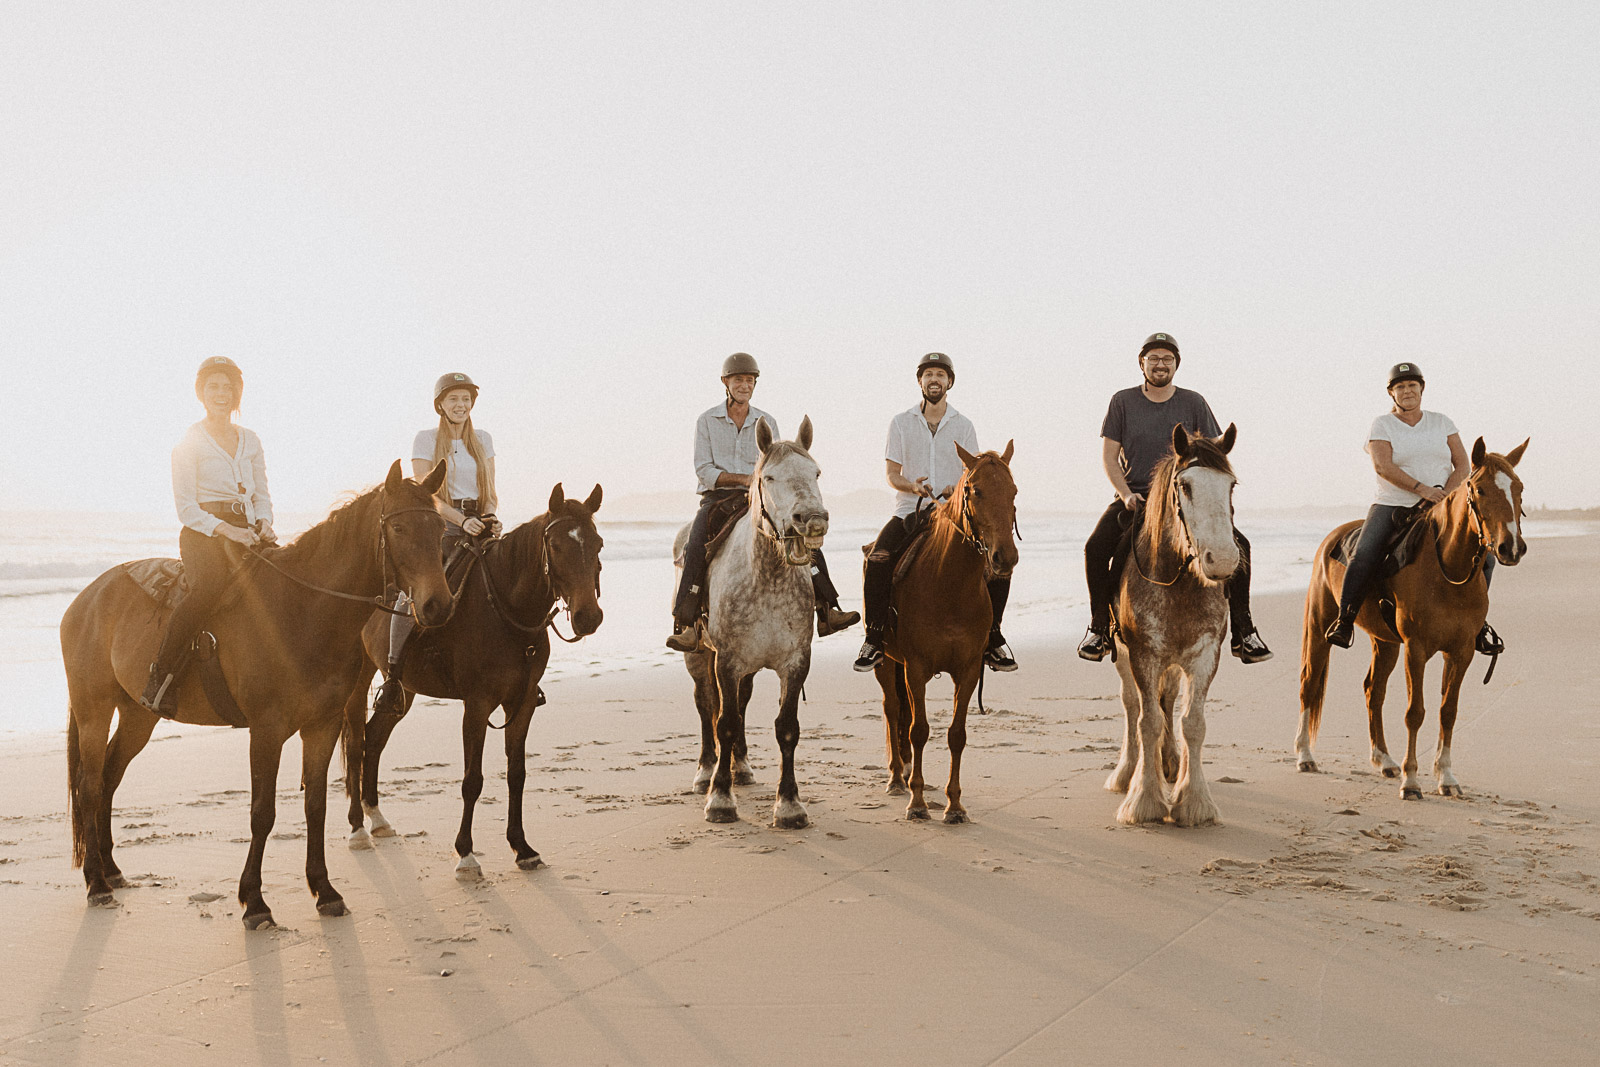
(934,392)
(1160,377)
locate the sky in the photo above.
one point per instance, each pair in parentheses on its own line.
(586,207)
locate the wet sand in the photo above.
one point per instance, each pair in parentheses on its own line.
(1327,921)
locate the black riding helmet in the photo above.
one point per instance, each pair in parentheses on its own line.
(226,366)
(937,359)
(1161,340)
(1405,372)
(448,382)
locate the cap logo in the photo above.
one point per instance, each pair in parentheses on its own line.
(1405,366)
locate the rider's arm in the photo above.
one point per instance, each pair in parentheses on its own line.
(904,484)
(1111,460)
(186,491)
(1383,462)
(260,499)
(1460,464)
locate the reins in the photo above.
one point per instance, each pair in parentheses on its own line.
(496,599)
(383,558)
(786,541)
(1188,539)
(1477,557)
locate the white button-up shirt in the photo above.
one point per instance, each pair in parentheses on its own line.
(923,453)
(204,473)
(720,446)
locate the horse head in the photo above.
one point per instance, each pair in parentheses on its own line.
(1495,493)
(410,529)
(1191,498)
(784,494)
(573,546)
(987,498)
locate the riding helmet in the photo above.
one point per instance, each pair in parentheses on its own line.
(937,359)
(226,366)
(448,382)
(740,363)
(1160,340)
(1405,372)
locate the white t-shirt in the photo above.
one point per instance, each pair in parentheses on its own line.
(1422,451)
(923,453)
(462,481)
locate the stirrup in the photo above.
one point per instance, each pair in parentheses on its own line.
(870,656)
(997,657)
(1341,633)
(154,697)
(1488,642)
(391,697)
(1094,646)
(1251,649)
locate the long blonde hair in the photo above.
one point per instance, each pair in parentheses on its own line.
(442,454)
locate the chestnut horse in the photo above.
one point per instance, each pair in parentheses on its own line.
(943,615)
(491,654)
(1440,599)
(1172,621)
(289,638)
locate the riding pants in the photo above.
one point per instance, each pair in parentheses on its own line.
(690,600)
(402,626)
(1103,564)
(878,582)
(1371,550)
(206,570)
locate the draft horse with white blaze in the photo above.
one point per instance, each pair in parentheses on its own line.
(288,638)
(1440,598)
(1171,613)
(759,616)
(491,654)
(943,615)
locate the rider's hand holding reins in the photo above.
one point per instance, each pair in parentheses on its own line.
(237,533)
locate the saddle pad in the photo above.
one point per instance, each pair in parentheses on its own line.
(160,579)
(1399,552)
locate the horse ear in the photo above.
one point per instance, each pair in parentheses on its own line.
(804,440)
(391,484)
(763,435)
(1515,455)
(1180,440)
(434,479)
(556,498)
(968,460)
(593,503)
(1478,452)
(1229,436)
(1005,457)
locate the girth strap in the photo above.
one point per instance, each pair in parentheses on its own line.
(214,684)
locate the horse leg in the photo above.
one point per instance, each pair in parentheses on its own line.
(705,702)
(787,811)
(1416,711)
(894,714)
(316,752)
(1191,798)
(266,751)
(134,726)
(1117,781)
(353,742)
(88,728)
(916,692)
(1314,652)
(474,725)
(1147,800)
(1455,672)
(742,774)
(1170,759)
(1385,654)
(516,739)
(719,798)
(375,738)
(957,739)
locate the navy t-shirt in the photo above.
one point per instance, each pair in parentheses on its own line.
(1144,428)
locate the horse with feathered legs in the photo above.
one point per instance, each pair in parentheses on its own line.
(288,635)
(491,654)
(760,606)
(1171,624)
(1440,602)
(944,616)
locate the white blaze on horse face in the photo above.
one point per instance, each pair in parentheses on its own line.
(1503,480)
(1206,497)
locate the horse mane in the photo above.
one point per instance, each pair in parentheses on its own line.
(1160,517)
(951,507)
(333,534)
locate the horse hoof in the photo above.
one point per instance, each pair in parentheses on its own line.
(951,818)
(1391,772)
(791,822)
(1411,793)
(261,921)
(722,814)
(332,909)
(702,786)
(530,863)
(744,778)
(1451,790)
(116,881)
(384,831)
(895,789)
(917,815)
(102,900)
(468,869)
(1308,766)
(360,840)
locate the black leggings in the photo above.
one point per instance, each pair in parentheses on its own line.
(206,570)
(1103,564)
(879,578)
(690,599)
(1376,533)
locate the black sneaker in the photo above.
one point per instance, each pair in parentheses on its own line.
(1341,633)
(870,656)
(999,658)
(157,693)
(1096,645)
(1251,648)
(1489,642)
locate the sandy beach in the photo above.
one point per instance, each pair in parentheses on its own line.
(1326,921)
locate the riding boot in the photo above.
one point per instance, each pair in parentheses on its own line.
(996,656)
(831,619)
(156,696)
(1342,631)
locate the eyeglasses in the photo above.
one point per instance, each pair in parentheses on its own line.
(1161,359)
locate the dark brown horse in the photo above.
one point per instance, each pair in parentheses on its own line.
(943,617)
(491,654)
(289,651)
(1440,600)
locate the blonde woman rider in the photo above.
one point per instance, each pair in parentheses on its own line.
(219,485)
(466,499)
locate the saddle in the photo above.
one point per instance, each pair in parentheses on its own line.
(1402,548)
(725,513)
(918,524)
(163,582)
(160,579)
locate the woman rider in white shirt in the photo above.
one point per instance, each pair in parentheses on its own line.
(1419,457)
(219,485)
(466,499)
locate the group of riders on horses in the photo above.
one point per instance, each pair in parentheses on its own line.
(220,491)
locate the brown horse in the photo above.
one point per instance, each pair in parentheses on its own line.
(289,652)
(491,654)
(943,615)
(1440,599)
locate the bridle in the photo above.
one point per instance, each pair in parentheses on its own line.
(966,525)
(1183,527)
(792,544)
(1475,520)
(496,599)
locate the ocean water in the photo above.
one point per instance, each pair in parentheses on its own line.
(46,559)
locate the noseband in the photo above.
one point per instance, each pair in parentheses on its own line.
(1183,527)
(792,545)
(1475,519)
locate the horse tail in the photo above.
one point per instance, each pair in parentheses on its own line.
(351,742)
(1314,652)
(74,808)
